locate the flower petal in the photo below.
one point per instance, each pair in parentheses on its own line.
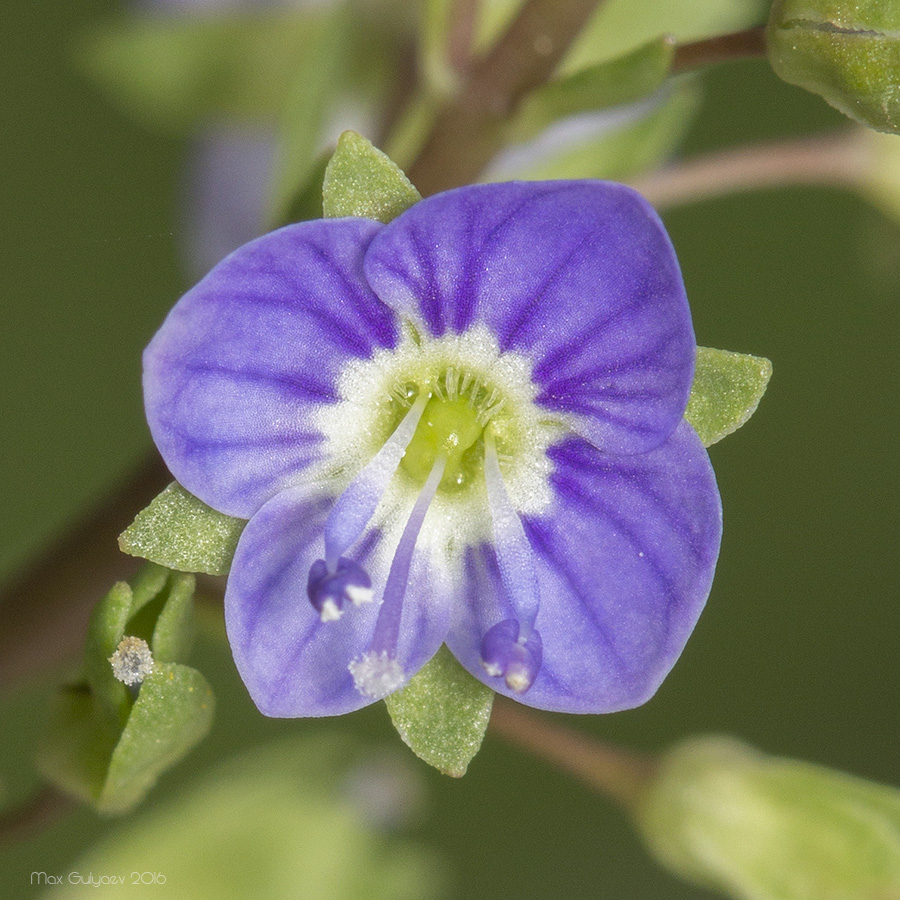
(234,376)
(578,276)
(292,662)
(625,560)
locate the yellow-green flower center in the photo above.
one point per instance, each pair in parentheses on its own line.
(449,428)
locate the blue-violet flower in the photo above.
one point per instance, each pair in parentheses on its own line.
(465,426)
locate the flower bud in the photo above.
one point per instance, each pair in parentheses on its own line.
(723,815)
(847,51)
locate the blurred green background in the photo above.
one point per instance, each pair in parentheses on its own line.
(797,651)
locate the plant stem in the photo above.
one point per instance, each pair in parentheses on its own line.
(840,159)
(46,608)
(40,811)
(467,131)
(460,34)
(618,774)
(749,44)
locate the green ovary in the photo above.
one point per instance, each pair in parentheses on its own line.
(447,428)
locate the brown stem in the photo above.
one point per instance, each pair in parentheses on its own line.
(40,811)
(618,774)
(467,131)
(460,34)
(840,158)
(749,44)
(45,609)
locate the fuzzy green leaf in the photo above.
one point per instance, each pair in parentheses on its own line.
(181,532)
(173,633)
(726,391)
(172,713)
(361,181)
(442,714)
(105,629)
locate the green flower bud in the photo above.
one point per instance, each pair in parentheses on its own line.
(723,815)
(847,51)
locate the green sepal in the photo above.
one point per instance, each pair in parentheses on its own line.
(622,80)
(442,714)
(173,633)
(727,389)
(177,73)
(105,743)
(181,532)
(314,85)
(172,713)
(106,628)
(360,180)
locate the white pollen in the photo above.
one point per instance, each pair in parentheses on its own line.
(132,662)
(376,675)
(492,669)
(358,595)
(517,680)
(330,611)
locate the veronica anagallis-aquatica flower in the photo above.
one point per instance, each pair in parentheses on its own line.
(464,427)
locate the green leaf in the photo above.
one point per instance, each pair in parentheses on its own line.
(361,181)
(173,711)
(181,532)
(79,741)
(442,714)
(617,152)
(315,84)
(622,80)
(726,391)
(175,73)
(173,633)
(621,25)
(105,629)
(288,820)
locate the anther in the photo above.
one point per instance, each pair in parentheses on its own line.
(132,662)
(506,654)
(330,591)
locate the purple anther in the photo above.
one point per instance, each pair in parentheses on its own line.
(504,653)
(329,591)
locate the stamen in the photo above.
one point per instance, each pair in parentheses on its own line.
(506,654)
(511,649)
(514,553)
(378,673)
(356,506)
(328,591)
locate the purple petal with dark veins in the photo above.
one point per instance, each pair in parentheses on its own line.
(578,276)
(292,663)
(234,376)
(625,559)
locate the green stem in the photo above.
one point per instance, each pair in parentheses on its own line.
(621,775)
